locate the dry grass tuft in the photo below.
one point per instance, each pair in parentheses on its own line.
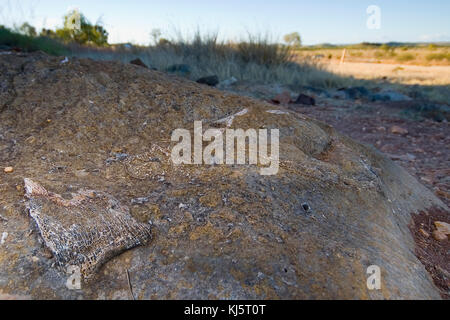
(256,59)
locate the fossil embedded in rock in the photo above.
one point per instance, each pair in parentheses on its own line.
(85,231)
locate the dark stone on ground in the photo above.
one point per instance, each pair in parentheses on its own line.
(306,100)
(138,62)
(211,81)
(282,98)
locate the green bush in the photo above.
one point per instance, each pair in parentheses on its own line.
(29,43)
(87,34)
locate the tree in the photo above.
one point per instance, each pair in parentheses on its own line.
(163,42)
(293,39)
(155,34)
(77,28)
(27,30)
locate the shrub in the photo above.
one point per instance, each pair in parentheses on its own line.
(378,54)
(438,56)
(87,34)
(29,43)
(256,60)
(405,57)
(293,39)
(259,50)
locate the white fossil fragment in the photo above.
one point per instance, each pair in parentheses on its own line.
(229,120)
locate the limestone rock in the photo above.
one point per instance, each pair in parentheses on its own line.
(334,208)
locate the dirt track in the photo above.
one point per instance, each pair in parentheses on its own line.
(406,74)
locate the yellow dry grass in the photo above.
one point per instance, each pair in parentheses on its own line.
(397,73)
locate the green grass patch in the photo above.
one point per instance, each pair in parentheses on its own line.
(26,43)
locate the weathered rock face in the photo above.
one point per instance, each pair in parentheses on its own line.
(309,232)
(85,231)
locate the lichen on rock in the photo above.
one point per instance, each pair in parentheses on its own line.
(334,208)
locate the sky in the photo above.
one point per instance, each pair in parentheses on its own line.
(317,21)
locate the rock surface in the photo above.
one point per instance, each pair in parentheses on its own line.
(85,231)
(310,232)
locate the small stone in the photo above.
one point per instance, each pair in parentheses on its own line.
(439,236)
(9,170)
(4,236)
(182,206)
(427,180)
(442,227)
(305,100)
(47,253)
(211,81)
(138,62)
(424,233)
(399,130)
(141,200)
(282,98)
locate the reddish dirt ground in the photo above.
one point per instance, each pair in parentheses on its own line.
(424,151)
(434,255)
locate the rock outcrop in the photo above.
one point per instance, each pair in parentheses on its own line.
(311,231)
